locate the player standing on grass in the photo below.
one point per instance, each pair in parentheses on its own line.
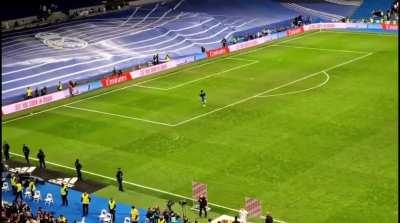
(203,97)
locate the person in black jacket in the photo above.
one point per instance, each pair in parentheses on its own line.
(202,205)
(6,150)
(119,177)
(268,218)
(78,167)
(26,151)
(41,157)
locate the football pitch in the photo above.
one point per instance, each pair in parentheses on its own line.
(307,124)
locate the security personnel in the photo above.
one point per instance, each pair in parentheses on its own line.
(134,215)
(112,206)
(29,93)
(119,177)
(64,194)
(18,185)
(32,186)
(14,183)
(85,199)
(62,219)
(25,150)
(41,157)
(161,219)
(78,167)
(6,150)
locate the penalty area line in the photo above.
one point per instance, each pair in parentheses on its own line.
(118,115)
(300,91)
(272,89)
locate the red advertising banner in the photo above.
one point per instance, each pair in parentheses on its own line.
(253,206)
(198,189)
(217,52)
(115,79)
(389,26)
(295,31)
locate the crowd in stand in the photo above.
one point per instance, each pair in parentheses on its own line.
(390,14)
(296,22)
(20,212)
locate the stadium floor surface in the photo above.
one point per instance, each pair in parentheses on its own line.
(307,125)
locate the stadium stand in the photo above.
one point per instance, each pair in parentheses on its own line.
(123,39)
(322,9)
(367,6)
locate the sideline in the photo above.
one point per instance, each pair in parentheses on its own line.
(258,95)
(158,76)
(136,185)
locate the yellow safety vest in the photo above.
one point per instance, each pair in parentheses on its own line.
(161,220)
(85,199)
(32,186)
(19,187)
(112,204)
(64,190)
(62,219)
(29,92)
(134,215)
(13,180)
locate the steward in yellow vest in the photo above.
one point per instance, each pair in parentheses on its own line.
(32,186)
(85,199)
(112,206)
(64,195)
(14,183)
(134,215)
(62,219)
(18,185)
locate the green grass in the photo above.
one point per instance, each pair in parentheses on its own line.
(323,155)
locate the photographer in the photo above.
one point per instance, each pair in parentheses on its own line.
(202,205)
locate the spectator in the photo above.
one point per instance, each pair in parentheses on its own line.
(43,91)
(59,86)
(36,93)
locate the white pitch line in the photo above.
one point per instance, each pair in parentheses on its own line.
(118,115)
(321,49)
(159,77)
(149,87)
(179,70)
(270,90)
(129,183)
(363,33)
(212,75)
(300,91)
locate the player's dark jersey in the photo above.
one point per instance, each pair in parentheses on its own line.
(203,95)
